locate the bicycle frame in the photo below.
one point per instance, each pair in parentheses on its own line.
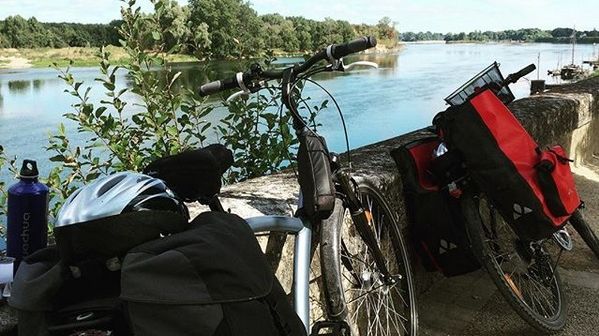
(301,227)
(302,230)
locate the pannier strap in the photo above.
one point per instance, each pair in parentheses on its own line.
(560,157)
(548,166)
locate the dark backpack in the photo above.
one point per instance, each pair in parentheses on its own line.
(436,221)
(50,301)
(212,279)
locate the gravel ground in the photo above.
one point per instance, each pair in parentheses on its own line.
(498,318)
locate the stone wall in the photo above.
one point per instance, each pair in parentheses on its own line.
(566,116)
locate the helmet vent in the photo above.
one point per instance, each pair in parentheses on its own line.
(110,184)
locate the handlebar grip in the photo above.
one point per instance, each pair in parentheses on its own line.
(218,86)
(513,78)
(361,44)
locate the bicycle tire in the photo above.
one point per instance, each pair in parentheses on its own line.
(341,297)
(585,231)
(512,290)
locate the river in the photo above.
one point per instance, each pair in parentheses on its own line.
(403,95)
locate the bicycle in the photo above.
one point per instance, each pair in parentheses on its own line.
(366,273)
(522,267)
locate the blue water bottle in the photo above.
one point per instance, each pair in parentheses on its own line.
(27,228)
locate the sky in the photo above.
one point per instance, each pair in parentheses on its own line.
(410,15)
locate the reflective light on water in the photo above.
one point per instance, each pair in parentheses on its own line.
(403,95)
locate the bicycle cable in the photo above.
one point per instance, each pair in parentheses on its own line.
(349,162)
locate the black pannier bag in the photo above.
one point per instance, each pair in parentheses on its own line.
(50,301)
(193,174)
(436,222)
(315,176)
(212,279)
(503,159)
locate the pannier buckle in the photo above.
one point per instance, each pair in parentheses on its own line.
(454,190)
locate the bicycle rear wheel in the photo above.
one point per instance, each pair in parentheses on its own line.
(585,231)
(523,271)
(372,307)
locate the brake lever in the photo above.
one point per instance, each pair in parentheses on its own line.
(250,89)
(348,67)
(236,95)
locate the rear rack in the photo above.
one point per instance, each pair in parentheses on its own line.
(489,78)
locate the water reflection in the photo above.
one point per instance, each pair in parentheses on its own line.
(193,75)
(18,86)
(37,84)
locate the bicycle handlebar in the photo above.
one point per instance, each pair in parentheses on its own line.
(332,52)
(218,86)
(357,45)
(513,78)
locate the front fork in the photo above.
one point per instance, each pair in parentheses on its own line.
(362,218)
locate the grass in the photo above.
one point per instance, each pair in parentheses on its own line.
(81,57)
(85,57)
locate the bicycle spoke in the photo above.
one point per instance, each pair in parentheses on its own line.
(375,307)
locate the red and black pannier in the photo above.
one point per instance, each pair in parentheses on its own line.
(533,189)
(436,223)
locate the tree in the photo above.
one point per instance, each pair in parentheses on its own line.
(15,28)
(172,20)
(562,32)
(386,29)
(234,27)
(303,29)
(4,42)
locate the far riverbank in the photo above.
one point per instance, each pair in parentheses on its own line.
(11,58)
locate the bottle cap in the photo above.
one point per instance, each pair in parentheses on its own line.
(29,169)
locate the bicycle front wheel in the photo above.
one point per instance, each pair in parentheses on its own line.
(523,271)
(373,307)
(585,231)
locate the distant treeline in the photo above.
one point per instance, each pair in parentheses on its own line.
(557,35)
(220,28)
(17,32)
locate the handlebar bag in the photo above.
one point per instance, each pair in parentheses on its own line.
(212,279)
(315,176)
(436,225)
(501,157)
(557,182)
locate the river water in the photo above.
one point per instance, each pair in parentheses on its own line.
(403,95)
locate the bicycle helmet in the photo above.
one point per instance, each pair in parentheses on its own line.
(109,216)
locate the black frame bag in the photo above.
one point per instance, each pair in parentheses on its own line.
(315,176)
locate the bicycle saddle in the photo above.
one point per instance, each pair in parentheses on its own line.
(193,174)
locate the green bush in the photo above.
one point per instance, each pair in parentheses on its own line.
(166,119)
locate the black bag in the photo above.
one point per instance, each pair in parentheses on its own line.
(436,222)
(193,174)
(212,279)
(49,301)
(315,176)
